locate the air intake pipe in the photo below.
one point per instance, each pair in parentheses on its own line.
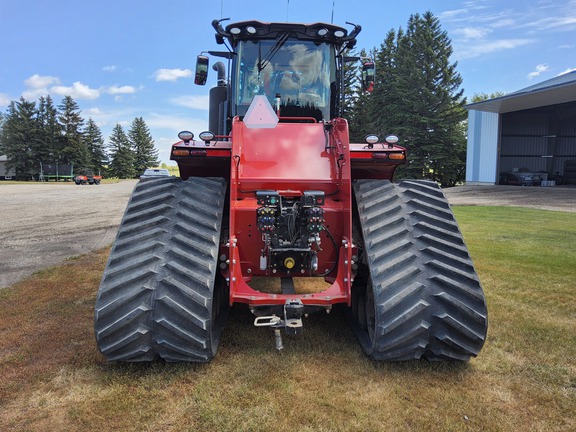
(218,98)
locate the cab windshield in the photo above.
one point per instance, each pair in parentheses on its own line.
(299,72)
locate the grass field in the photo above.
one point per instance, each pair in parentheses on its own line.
(524,379)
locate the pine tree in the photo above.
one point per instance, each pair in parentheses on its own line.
(121,154)
(382,103)
(73,149)
(430,111)
(2,122)
(146,155)
(19,138)
(350,71)
(356,106)
(96,149)
(49,131)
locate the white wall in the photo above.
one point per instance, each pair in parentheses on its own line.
(482,150)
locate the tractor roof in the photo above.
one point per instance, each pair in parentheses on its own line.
(256,30)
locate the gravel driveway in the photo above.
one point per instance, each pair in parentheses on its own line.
(42,224)
(559,198)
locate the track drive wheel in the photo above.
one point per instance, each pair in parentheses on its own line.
(417,294)
(160,296)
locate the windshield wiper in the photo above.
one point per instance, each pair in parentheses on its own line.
(262,63)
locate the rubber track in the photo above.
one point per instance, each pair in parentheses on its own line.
(155,297)
(427,296)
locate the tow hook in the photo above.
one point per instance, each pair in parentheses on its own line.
(292,322)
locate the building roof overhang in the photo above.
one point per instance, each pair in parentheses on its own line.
(558,90)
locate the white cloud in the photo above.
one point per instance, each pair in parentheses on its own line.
(485,27)
(566,22)
(41,82)
(4,99)
(93,111)
(487,47)
(76,91)
(194,102)
(540,69)
(172,74)
(115,90)
(472,32)
(110,68)
(33,94)
(503,23)
(38,85)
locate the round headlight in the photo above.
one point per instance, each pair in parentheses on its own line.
(251,30)
(339,33)
(235,31)
(371,139)
(186,136)
(206,136)
(322,32)
(391,139)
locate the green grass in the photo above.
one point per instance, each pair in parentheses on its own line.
(53,378)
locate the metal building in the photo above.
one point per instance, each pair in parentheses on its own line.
(525,137)
(5,173)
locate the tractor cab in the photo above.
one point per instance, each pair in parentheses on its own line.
(297,67)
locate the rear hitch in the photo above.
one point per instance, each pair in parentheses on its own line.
(292,322)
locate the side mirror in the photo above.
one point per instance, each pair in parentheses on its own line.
(368,76)
(201,70)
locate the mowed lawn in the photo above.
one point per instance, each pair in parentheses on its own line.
(52,377)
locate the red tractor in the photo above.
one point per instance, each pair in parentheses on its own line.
(277,210)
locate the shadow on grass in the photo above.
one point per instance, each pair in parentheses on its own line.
(326,337)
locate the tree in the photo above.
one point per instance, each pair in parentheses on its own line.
(418,97)
(432,104)
(97,156)
(356,102)
(49,131)
(121,154)
(145,154)
(2,122)
(350,71)
(19,138)
(382,103)
(73,149)
(480,97)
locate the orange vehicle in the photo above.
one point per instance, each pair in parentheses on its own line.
(83,179)
(277,210)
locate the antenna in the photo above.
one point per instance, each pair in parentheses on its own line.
(221,9)
(287,7)
(332,18)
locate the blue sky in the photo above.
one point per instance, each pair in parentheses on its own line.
(125,58)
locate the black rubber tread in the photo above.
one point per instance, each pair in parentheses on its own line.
(159,297)
(418,287)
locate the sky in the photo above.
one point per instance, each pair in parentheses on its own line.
(124,59)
